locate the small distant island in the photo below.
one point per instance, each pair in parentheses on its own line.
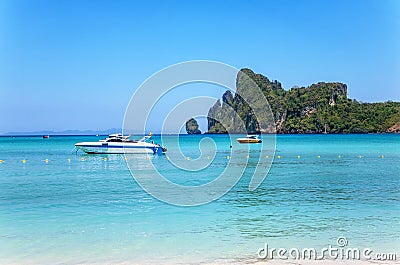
(192,127)
(319,108)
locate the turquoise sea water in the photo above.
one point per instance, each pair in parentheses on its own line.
(89,209)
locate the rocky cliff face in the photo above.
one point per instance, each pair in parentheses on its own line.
(222,119)
(319,108)
(395,128)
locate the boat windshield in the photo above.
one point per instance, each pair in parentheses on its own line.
(117,138)
(122,138)
(114,140)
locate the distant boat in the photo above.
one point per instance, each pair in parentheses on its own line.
(249,139)
(46,136)
(120,144)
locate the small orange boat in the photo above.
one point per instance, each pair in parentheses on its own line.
(46,136)
(249,139)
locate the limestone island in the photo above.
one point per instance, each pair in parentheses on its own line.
(319,108)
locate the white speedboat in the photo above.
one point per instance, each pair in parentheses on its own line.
(120,144)
(249,139)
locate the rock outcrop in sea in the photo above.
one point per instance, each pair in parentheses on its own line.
(192,127)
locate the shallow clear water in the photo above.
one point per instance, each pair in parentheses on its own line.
(90,210)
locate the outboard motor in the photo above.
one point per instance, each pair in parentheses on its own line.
(160,150)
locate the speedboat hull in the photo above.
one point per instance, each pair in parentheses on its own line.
(118,148)
(248,141)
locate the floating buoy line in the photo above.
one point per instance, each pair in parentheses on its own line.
(188,158)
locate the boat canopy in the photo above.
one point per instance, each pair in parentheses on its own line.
(252,136)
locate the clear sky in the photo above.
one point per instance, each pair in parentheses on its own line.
(75,64)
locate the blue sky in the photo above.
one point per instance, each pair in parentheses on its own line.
(75,64)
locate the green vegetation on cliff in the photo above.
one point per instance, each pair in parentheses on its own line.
(319,108)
